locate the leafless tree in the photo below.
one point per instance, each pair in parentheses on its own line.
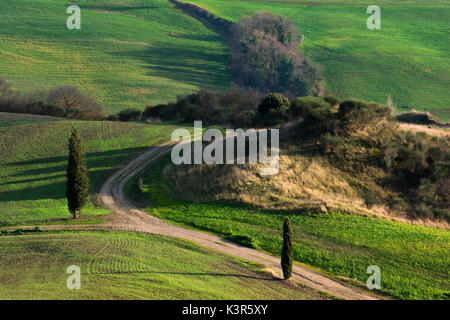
(265,56)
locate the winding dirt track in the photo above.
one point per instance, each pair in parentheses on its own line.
(128,217)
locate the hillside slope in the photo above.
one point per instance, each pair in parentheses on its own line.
(119,265)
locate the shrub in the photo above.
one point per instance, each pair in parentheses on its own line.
(130,114)
(276,101)
(422,210)
(302,107)
(320,121)
(235,106)
(77,180)
(5,88)
(246,241)
(244,119)
(370,200)
(39,107)
(272,109)
(330,143)
(441,213)
(356,114)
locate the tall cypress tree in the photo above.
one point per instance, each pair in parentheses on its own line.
(77,179)
(287,255)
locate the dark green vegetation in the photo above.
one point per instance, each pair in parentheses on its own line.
(77,179)
(126,54)
(413,259)
(407,59)
(287,252)
(148,51)
(14,119)
(33,163)
(129,266)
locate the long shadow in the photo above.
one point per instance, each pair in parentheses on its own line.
(193,274)
(116,7)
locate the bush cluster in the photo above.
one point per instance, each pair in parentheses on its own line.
(65,101)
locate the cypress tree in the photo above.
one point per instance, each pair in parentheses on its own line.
(287,255)
(77,179)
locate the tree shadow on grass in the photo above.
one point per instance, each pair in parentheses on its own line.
(96,166)
(116,7)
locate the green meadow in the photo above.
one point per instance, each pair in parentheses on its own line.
(414,260)
(33,161)
(408,59)
(139,52)
(127,53)
(120,265)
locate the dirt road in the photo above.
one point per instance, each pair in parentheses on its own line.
(128,217)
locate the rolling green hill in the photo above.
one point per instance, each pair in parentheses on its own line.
(117,265)
(408,59)
(127,53)
(14,119)
(33,161)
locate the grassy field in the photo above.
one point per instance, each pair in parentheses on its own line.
(414,260)
(407,59)
(127,53)
(33,160)
(129,266)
